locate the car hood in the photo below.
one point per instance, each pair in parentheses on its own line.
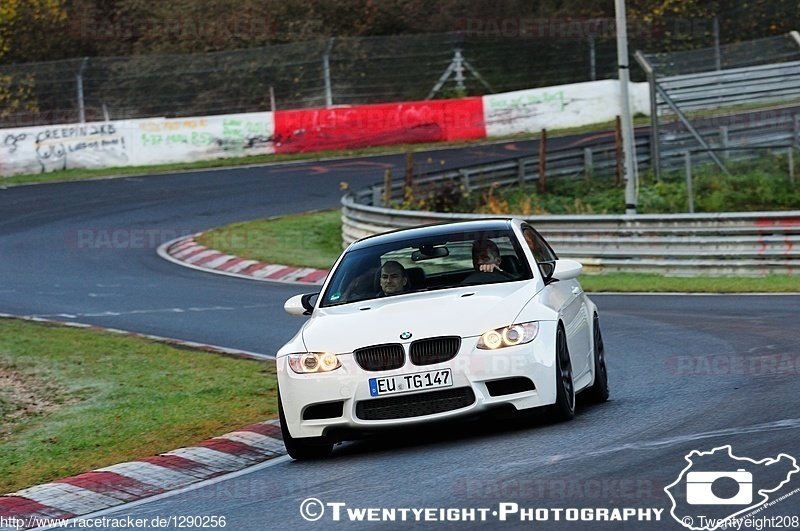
(464,312)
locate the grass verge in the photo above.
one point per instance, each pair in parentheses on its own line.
(112,398)
(313,240)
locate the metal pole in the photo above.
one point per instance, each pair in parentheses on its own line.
(326,69)
(459,68)
(588,164)
(272,98)
(592,59)
(723,141)
(628,145)
(81,107)
(717,51)
(655,146)
(688,157)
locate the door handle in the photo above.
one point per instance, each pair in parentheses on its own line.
(576,290)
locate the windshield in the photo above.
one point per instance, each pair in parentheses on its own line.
(413,265)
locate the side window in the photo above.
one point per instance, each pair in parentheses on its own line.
(542,252)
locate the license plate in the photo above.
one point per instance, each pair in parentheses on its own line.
(410,382)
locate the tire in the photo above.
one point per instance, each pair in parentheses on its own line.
(598,392)
(564,408)
(303,448)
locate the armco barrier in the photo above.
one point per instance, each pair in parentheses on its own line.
(742,244)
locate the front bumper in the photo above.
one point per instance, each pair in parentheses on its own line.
(322,404)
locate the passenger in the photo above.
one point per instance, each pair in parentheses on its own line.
(486,256)
(393,279)
(486,261)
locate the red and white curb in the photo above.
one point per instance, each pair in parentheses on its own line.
(187,252)
(127,482)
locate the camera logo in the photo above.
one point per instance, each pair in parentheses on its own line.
(713,488)
(716,487)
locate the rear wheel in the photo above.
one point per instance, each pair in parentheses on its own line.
(599,390)
(564,408)
(304,448)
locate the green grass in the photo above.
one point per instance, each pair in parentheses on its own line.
(282,241)
(309,240)
(117,398)
(651,283)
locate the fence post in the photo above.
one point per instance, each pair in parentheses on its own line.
(409,177)
(326,69)
(723,141)
(588,164)
(688,157)
(79,82)
(521,171)
(542,162)
(387,188)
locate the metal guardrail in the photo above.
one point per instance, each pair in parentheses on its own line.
(597,160)
(741,244)
(696,100)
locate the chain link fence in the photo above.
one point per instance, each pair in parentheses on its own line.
(342,71)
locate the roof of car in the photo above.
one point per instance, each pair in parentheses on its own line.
(428,231)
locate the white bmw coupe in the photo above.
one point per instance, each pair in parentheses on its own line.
(433,323)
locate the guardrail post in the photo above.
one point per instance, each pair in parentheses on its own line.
(688,157)
(465,180)
(521,172)
(796,131)
(791,166)
(588,164)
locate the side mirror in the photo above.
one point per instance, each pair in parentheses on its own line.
(567,269)
(300,304)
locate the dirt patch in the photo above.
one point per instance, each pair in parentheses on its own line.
(23,396)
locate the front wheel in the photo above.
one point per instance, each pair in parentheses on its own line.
(564,408)
(304,448)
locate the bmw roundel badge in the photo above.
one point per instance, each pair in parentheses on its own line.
(405,335)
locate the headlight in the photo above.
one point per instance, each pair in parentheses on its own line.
(307,362)
(508,336)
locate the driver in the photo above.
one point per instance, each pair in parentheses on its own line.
(393,278)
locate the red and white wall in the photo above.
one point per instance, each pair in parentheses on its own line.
(160,140)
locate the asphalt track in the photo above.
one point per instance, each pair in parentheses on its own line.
(687,372)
